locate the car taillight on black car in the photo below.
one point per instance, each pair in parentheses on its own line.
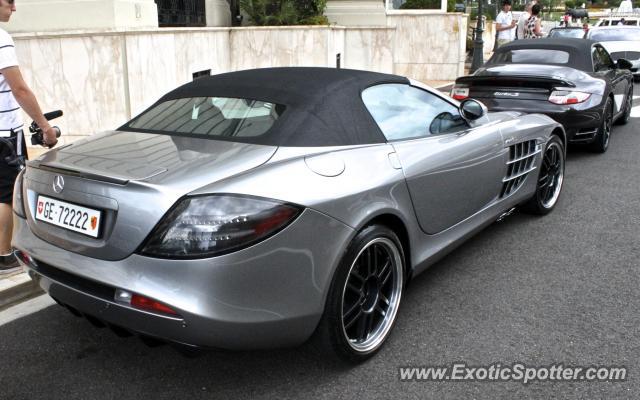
(207,226)
(459,92)
(568,97)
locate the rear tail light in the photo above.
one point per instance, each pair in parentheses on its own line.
(207,226)
(568,97)
(460,93)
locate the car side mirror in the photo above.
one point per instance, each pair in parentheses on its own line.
(623,64)
(472,110)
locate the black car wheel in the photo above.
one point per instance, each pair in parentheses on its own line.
(364,296)
(550,179)
(601,142)
(628,105)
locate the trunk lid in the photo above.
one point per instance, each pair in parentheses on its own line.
(133,179)
(519,81)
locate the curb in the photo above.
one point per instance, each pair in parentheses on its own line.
(16,288)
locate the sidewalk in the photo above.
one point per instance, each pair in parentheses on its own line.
(17,287)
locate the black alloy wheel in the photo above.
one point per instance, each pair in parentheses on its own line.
(364,297)
(550,179)
(601,142)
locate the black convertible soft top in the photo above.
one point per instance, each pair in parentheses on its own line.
(579,49)
(323,105)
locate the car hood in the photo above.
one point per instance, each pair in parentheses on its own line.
(123,156)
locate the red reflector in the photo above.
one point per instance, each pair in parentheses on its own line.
(459,97)
(25,258)
(572,100)
(146,303)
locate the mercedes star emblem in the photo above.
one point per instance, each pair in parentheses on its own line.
(58,184)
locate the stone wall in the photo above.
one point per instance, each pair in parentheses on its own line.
(102,79)
(429,46)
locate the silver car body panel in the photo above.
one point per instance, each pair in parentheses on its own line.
(441,189)
(223,300)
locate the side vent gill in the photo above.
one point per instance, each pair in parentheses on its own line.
(521,163)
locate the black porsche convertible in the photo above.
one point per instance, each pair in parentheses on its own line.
(574,81)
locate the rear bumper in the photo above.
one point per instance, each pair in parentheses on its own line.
(269,295)
(581,122)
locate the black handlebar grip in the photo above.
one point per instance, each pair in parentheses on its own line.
(53,114)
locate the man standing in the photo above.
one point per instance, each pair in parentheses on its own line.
(505,25)
(14,93)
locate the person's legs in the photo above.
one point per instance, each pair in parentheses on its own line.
(501,42)
(8,262)
(7,178)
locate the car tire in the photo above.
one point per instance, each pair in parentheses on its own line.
(628,105)
(550,179)
(364,297)
(603,137)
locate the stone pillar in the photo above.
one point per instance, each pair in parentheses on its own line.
(218,12)
(356,12)
(66,15)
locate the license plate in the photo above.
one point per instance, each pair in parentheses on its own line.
(68,216)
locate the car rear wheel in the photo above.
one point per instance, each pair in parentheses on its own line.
(550,179)
(364,296)
(601,142)
(628,105)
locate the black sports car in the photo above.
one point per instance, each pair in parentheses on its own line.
(574,81)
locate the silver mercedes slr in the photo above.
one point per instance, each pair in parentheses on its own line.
(262,208)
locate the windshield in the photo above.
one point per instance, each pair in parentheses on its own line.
(209,116)
(530,56)
(612,35)
(572,33)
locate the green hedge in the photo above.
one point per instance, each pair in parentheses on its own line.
(420,4)
(428,5)
(285,12)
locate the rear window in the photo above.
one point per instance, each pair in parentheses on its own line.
(209,116)
(530,56)
(571,33)
(611,35)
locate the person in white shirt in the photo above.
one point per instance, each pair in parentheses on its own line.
(523,19)
(14,94)
(505,25)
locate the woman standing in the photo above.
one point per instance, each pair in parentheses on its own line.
(532,28)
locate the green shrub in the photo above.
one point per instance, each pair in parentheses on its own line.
(429,5)
(285,12)
(570,4)
(490,13)
(422,4)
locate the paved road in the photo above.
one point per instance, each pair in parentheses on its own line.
(564,288)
